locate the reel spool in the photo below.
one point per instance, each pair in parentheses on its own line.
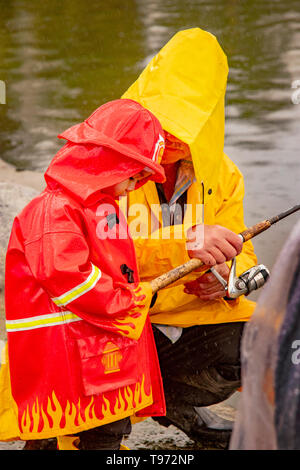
(247,282)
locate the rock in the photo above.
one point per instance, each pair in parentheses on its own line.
(13,198)
(32,179)
(17,188)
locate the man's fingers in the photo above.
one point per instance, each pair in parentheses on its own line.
(212,289)
(204,295)
(236,242)
(218,245)
(209,282)
(228,250)
(191,284)
(205,257)
(206,278)
(210,257)
(217,255)
(214,296)
(203,288)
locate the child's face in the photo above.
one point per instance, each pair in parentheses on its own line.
(124,187)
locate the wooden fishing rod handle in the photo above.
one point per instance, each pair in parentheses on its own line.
(180,271)
(255,230)
(177,273)
(194,263)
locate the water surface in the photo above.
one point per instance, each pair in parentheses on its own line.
(62,59)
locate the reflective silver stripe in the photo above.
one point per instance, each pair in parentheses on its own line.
(41,321)
(79,290)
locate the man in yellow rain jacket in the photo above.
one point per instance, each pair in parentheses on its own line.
(197,329)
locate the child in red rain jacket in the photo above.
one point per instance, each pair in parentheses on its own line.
(81,350)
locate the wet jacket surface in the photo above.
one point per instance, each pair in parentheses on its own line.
(80,343)
(184,87)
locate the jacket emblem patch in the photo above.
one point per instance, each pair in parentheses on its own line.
(111,358)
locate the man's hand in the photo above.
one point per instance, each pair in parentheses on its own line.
(207,287)
(213,244)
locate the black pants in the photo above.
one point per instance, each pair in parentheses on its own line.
(106,437)
(202,367)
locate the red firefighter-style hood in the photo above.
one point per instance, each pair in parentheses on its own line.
(117,141)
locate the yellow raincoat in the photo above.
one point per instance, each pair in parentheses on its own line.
(184,87)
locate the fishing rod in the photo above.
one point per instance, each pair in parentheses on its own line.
(194,263)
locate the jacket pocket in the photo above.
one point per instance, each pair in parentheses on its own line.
(107,363)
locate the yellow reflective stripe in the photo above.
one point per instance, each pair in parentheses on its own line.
(79,290)
(41,321)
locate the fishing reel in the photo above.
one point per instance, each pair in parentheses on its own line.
(247,282)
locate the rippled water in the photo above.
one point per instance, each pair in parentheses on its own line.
(62,59)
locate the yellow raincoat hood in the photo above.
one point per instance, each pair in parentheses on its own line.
(184,87)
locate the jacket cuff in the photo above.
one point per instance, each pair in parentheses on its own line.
(133,324)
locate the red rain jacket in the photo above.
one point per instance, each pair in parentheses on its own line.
(81,349)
